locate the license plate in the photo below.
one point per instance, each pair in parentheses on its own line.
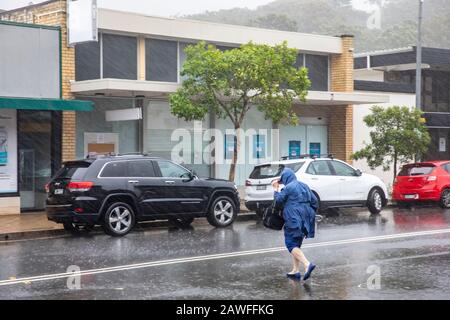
(59,191)
(411,196)
(260,187)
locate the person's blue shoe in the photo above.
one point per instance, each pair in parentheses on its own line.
(308,272)
(296,275)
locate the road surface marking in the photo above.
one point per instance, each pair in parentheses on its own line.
(28,280)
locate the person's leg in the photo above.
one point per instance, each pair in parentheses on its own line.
(290,244)
(295,265)
(298,255)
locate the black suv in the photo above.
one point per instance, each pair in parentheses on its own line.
(118,191)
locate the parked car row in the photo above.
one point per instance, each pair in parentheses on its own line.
(116,192)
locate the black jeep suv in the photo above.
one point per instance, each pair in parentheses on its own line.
(118,191)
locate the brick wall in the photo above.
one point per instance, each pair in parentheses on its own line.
(340,130)
(53,13)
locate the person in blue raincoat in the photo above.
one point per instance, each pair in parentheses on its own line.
(299,213)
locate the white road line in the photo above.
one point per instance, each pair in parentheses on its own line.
(218,256)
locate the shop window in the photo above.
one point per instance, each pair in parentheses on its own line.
(161,59)
(300,61)
(98,133)
(317,71)
(87,61)
(441,90)
(119,57)
(169,137)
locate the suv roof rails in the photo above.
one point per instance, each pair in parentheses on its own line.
(143,154)
(94,155)
(309,156)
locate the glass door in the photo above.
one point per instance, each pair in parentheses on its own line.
(36,137)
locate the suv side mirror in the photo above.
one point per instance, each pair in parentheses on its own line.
(358,173)
(188,176)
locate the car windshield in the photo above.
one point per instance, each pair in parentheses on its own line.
(273,170)
(416,170)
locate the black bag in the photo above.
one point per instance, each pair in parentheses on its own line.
(273,217)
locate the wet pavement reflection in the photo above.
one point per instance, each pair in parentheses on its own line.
(415,267)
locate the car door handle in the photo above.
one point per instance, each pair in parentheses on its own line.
(314,178)
(133,181)
(170,182)
(342,179)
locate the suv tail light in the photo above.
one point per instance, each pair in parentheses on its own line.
(47,187)
(80,186)
(248,183)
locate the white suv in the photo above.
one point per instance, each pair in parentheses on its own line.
(335,184)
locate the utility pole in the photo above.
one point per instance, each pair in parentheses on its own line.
(419,59)
(419,65)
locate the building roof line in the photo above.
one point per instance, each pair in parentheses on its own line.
(218,24)
(385,51)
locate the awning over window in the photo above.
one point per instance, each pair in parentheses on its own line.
(45,104)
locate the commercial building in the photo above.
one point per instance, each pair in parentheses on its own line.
(31,113)
(393,72)
(135,65)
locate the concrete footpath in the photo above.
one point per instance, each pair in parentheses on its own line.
(35,225)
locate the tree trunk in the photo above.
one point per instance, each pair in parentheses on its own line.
(237,146)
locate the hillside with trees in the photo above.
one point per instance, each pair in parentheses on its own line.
(398,20)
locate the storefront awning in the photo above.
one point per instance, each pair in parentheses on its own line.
(45,104)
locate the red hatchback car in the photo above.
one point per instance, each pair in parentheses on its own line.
(425,181)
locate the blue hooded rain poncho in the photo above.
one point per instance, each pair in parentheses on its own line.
(299,209)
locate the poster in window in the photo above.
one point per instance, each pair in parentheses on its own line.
(314,149)
(259,146)
(294,149)
(8,151)
(230,140)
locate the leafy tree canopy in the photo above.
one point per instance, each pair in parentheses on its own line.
(231,82)
(397,135)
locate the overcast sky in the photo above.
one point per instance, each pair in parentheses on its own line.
(158,7)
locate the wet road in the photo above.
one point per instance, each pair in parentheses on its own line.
(409,249)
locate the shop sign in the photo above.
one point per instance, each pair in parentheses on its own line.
(124,114)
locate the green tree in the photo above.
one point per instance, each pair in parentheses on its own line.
(230,83)
(398,134)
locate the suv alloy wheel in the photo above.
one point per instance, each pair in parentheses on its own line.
(119,219)
(375,201)
(222,212)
